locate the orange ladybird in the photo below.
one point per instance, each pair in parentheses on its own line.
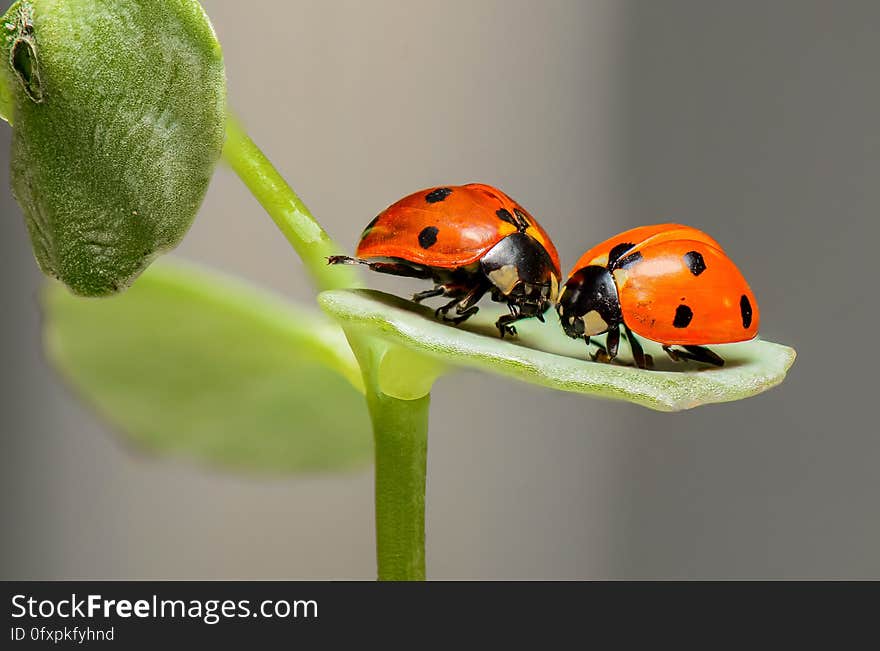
(670,283)
(469,240)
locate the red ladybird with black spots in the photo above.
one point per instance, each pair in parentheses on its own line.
(469,240)
(670,283)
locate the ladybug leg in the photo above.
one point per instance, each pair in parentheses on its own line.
(695,353)
(638,353)
(464,315)
(503,324)
(439,290)
(343,259)
(518,312)
(612,342)
(703,354)
(440,312)
(607,352)
(601,354)
(393,268)
(465,307)
(504,321)
(674,355)
(397,269)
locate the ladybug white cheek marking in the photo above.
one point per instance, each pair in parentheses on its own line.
(594,324)
(560,295)
(620,277)
(554,287)
(505,278)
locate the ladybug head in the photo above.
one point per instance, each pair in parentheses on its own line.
(522,273)
(588,304)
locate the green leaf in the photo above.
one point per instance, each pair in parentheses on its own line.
(195,364)
(119,110)
(543,355)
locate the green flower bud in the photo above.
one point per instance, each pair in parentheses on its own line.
(118,109)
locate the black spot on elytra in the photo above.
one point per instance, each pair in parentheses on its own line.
(428,237)
(521,216)
(745,309)
(628,260)
(694,261)
(435,196)
(618,251)
(505,216)
(683,316)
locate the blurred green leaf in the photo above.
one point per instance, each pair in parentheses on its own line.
(119,120)
(543,355)
(196,364)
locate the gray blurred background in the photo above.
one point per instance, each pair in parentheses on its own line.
(756,121)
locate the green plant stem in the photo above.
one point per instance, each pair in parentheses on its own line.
(400,435)
(400,427)
(400,430)
(286,209)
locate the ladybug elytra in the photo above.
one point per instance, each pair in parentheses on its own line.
(670,283)
(469,240)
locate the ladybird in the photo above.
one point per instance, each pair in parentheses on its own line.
(469,240)
(670,283)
